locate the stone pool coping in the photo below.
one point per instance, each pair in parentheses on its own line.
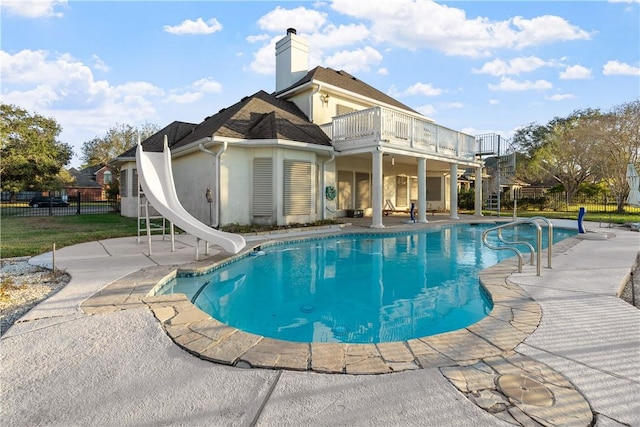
(473,359)
(514,316)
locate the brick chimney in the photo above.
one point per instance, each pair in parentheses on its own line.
(292,59)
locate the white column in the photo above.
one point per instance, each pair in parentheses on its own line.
(376,189)
(453,191)
(422,190)
(478,192)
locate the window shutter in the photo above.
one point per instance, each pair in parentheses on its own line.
(297,188)
(124,190)
(135,186)
(262,187)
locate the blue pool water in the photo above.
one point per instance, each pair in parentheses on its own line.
(355,289)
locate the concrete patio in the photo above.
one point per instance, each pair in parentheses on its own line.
(63,366)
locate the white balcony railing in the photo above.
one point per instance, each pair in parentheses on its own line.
(399,129)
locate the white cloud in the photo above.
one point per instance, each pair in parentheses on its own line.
(194,27)
(196,91)
(355,60)
(330,37)
(419,24)
(264,61)
(185,98)
(494,102)
(64,88)
(34,8)
(419,88)
(208,85)
(560,97)
(99,64)
(426,110)
(383,71)
(302,19)
(575,72)
(334,37)
(616,68)
(546,29)
(258,38)
(41,96)
(499,67)
(624,1)
(510,85)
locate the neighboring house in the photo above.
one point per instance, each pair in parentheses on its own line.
(324,144)
(91,182)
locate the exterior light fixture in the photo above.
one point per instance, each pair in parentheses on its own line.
(209,197)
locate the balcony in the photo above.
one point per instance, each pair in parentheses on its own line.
(394,129)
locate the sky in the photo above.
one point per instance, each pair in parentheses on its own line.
(472,66)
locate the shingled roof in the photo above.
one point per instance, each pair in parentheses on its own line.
(259,116)
(85,177)
(155,143)
(346,81)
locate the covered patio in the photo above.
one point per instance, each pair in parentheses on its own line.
(385,157)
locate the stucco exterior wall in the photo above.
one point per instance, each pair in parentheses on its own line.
(193,173)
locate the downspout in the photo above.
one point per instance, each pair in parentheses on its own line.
(311,103)
(322,187)
(216,165)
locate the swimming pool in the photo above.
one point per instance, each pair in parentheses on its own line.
(359,288)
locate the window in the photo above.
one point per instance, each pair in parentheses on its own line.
(434,189)
(106,177)
(297,188)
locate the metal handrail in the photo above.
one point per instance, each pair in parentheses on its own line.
(549,236)
(515,242)
(511,224)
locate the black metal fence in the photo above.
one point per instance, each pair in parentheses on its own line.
(559,202)
(51,205)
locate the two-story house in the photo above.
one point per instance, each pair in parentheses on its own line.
(323,144)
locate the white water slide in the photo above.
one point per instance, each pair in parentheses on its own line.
(156,177)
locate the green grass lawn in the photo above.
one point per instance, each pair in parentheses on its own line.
(29,236)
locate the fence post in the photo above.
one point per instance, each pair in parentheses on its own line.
(78,203)
(50,204)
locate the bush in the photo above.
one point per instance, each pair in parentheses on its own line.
(466,199)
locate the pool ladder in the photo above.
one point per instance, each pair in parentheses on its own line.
(537,250)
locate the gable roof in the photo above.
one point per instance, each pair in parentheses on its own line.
(259,116)
(346,81)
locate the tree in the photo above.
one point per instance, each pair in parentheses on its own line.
(526,141)
(621,146)
(569,149)
(118,139)
(32,157)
